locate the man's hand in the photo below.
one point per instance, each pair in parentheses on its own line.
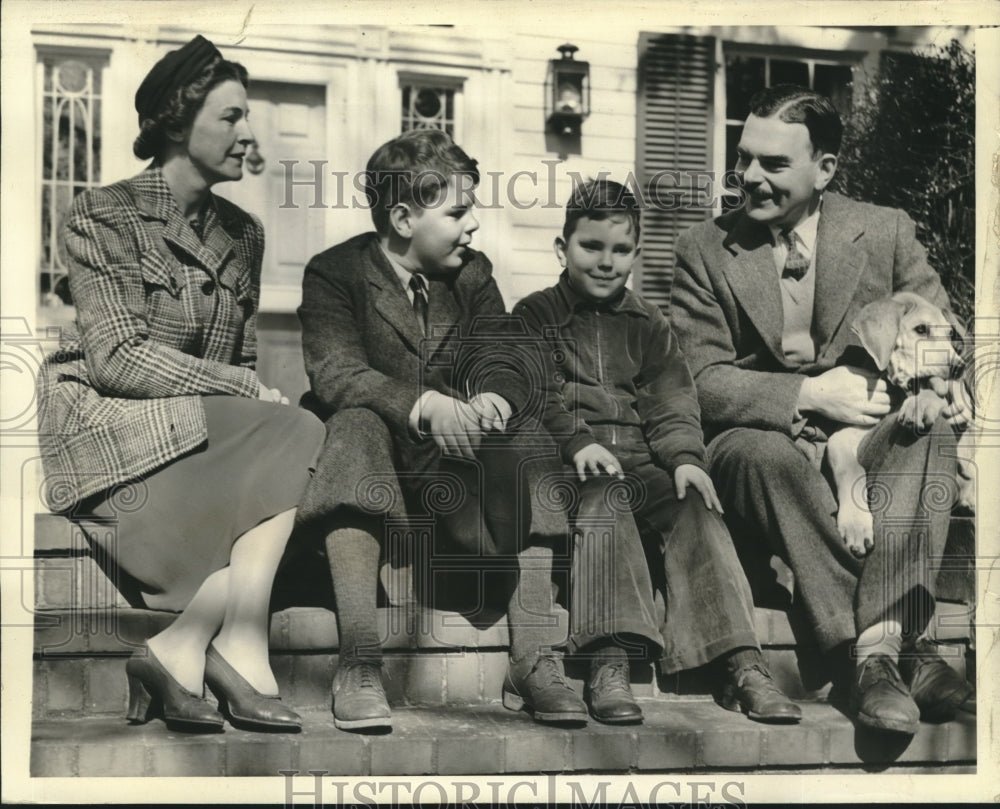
(492,411)
(846,394)
(452,424)
(690,475)
(593,458)
(266,394)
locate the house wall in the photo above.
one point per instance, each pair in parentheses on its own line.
(500,121)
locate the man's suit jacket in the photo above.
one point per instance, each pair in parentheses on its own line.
(122,395)
(727,310)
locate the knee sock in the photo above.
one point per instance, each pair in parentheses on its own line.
(885,637)
(353,554)
(529,613)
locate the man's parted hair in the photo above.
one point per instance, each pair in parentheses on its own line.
(414,168)
(794,104)
(600,199)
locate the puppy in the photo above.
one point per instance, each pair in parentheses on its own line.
(899,333)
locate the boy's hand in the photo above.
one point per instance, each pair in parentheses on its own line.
(592,458)
(492,411)
(690,475)
(266,394)
(453,425)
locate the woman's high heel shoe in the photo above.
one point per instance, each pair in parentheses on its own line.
(154,692)
(243,704)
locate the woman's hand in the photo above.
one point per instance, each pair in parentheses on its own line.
(690,475)
(267,394)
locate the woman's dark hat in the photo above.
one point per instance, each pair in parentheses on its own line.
(172,72)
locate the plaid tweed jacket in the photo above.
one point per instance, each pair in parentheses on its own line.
(163,318)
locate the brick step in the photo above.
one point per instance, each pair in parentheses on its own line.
(432,658)
(299,629)
(66,687)
(68,577)
(679,734)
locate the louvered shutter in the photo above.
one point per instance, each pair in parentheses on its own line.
(676,81)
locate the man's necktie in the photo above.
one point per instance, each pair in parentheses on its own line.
(796,264)
(419,286)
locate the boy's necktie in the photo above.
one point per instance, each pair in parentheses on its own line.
(419,286)
(796,264)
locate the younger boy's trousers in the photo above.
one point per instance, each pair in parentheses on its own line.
(709,608)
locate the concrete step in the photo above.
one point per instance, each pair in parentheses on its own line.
(679,734)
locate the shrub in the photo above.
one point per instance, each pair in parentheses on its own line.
(910,143)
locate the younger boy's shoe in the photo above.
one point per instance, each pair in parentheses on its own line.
(610,695)
(359,701)
(752,691)
(880,699)
(540,686)
(935,687)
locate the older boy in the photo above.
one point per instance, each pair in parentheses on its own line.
(627,410)
(387,319)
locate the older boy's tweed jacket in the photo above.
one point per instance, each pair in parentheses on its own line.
(122,395)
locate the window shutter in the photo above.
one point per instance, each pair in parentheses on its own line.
(676,84)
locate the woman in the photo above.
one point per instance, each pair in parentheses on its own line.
(152,416)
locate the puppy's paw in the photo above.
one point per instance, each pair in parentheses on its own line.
(921,410)
(966,500)
(856,527)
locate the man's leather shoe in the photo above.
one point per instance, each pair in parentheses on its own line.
(935,686)
(610,696)
(359,701)
(540,686)
(880,699)
(752,691)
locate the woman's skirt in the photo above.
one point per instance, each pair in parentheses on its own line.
(164,534)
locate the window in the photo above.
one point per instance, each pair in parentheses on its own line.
(429,102)
(748,71)
(71,154)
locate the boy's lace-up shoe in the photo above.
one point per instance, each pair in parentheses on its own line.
(753,691)
(359,701)
(540,686)
(610,695)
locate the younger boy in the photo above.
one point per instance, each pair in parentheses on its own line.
(414,404)
(625,410)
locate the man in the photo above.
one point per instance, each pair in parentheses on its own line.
(763,302)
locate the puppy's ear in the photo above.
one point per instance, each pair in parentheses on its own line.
(877,326)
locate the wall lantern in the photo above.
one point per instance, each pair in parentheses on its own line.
(567,101)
